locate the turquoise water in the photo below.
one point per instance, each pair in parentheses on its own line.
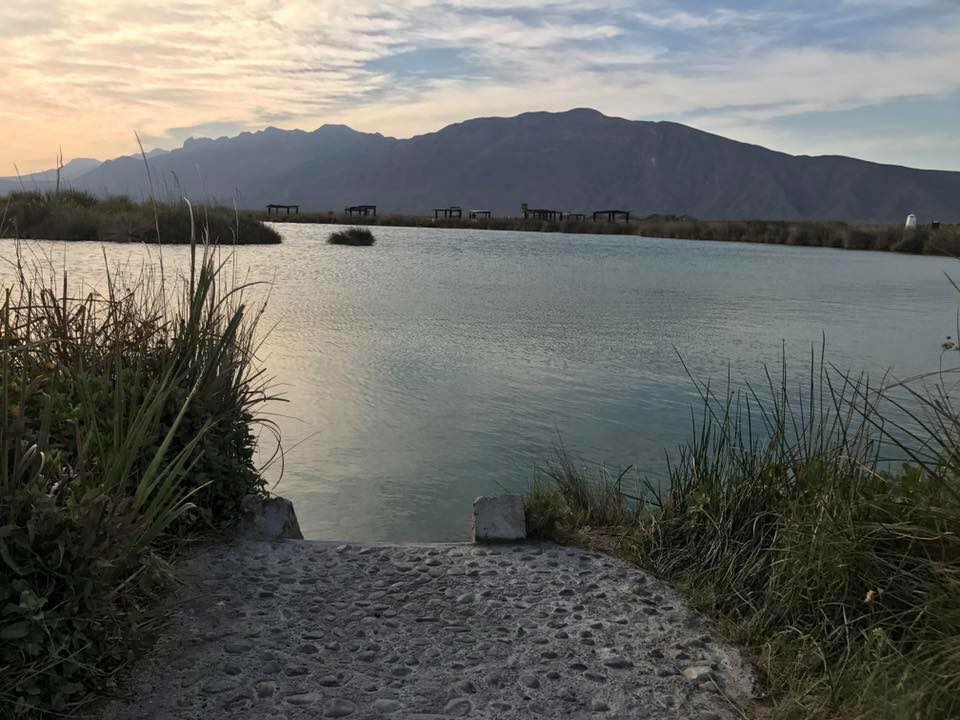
(440,365)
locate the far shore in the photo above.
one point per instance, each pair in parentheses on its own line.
(922,240)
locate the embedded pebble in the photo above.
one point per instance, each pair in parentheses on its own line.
(220,685)
(458,707)
(338,708)
(386,705)
(309,630)
(530,681)
(696,672)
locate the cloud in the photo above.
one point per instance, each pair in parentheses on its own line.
(683,20)
(87,73)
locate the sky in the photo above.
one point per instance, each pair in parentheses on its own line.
(877,79)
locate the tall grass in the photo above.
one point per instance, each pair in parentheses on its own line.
(74,215)
(127,422)
(784,520)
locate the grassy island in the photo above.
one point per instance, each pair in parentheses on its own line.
(128,421)
(352,236)
(74,215)
(838,572)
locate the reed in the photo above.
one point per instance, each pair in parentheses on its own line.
(73,215)
(127,424)
(786,522)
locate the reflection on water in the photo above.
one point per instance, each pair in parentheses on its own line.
(440,365)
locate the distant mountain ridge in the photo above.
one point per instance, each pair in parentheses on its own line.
(576,161)
(47,179)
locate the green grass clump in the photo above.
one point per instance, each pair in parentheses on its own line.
(781,520)
(76,216)
(352,236)
(127,422)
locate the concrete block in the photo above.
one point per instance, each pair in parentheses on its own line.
(499,519)
(269,519)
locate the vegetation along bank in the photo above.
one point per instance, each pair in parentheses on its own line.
(127,427)
(838,572)
(927,240)
(75,215)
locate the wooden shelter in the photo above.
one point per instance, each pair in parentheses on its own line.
(454,211)
(540,213)
(477,214)
(363,210)
(612,215)
(274,208)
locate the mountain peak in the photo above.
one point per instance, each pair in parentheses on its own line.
(578,160)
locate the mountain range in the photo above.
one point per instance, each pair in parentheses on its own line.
(576,161)
(47,179)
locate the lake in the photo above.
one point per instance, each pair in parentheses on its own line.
(440,365)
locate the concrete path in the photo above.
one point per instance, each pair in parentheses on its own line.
(300,629)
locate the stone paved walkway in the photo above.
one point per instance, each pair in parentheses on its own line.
(302,629)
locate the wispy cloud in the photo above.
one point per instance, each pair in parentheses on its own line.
(87,73)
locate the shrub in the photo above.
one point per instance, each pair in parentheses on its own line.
(125,422)
(352,236)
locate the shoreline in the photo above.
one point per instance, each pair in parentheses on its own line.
(923,240)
